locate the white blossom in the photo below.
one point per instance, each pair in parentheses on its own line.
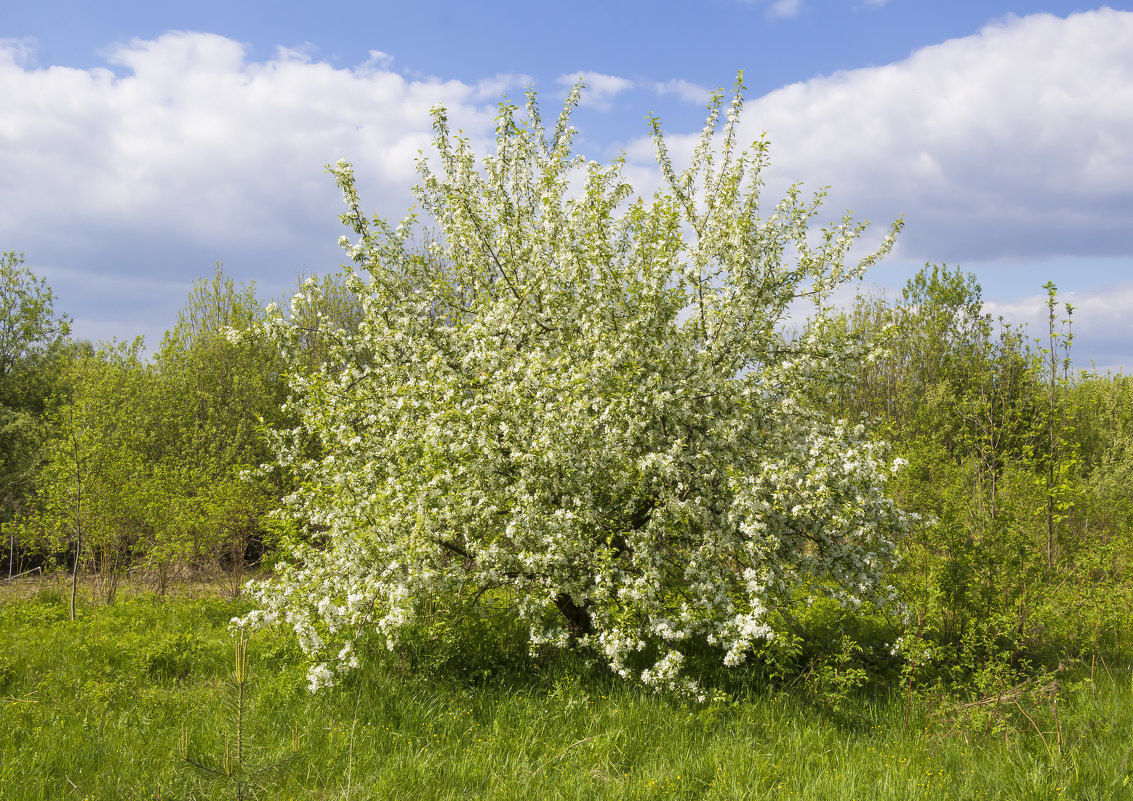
(585,400)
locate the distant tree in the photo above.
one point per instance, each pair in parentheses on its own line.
(29,324)
(216,393)
(94,469)
(987,423)
(151,464)
(32,338)
(585,403)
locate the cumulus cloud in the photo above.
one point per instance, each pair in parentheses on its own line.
(491,90)
(1010,143)
(193,137)
(378,60)
(601,89)
(189,152)
(17,52)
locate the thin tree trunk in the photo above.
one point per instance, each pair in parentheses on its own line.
(14,505)
(75,568)
(78,516)
(1051,458)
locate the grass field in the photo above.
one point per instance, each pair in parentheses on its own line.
(106,706)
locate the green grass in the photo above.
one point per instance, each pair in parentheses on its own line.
(95,709)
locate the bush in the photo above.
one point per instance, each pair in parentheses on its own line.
(587,402)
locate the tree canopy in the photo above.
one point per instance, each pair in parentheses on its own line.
(32,338)
(583,403)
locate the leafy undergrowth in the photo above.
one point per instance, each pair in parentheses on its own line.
(104,708)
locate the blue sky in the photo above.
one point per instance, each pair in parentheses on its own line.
(142,142)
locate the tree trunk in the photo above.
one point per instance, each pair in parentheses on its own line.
(75,569)
(78,514)
(577,617)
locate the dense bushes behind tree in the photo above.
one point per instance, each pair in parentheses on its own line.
(146,463)
(1018,468)
(116,462)
(33,351)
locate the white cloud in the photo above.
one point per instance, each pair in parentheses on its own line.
(377,60)
(785,9)
(600,89)
(1013,142)
(491,90)
(685,90)
(187,152)
(17,52)
(194,138)
(781,9)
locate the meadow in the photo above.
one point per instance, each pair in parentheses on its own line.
(138,700)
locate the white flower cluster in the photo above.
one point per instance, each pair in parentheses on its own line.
(585,403)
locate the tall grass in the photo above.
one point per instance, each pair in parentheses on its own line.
(96,709)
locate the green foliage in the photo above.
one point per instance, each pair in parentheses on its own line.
(29,324)
(1095,509)
(32,351)
(216,393)
(835,678)
(480,643)
(1015,468)
(91,500)
(148,465)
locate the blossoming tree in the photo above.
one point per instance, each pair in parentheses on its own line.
(584,402)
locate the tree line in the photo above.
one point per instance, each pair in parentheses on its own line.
(1018,467)
(117,464)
